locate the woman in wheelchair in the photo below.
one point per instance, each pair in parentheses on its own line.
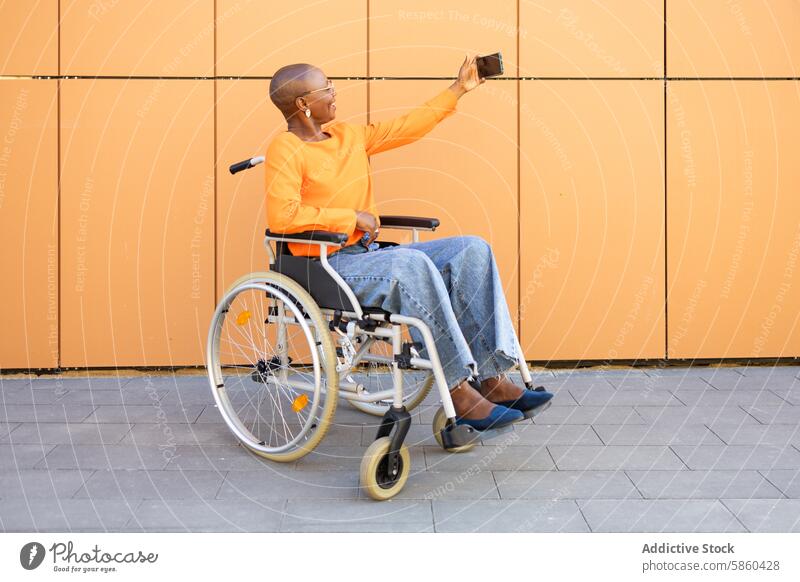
(447,292)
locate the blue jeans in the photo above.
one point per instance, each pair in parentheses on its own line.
(453,285)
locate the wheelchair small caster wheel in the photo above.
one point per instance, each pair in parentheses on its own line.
(377,479)
(439,422)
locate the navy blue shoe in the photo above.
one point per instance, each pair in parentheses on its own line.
(530,402)
(500,416)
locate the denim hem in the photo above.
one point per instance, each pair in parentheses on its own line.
(481,338)
(498,366)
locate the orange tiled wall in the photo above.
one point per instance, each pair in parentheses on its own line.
(634,168)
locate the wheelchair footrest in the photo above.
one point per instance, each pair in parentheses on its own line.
(459,435)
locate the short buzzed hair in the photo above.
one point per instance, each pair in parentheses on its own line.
(287,84)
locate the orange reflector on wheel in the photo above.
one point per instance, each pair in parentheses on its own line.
(243,317)
(299,403)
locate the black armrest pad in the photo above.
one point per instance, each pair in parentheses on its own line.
(409,222)
(311,235)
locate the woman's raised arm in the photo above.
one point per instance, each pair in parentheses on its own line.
(386,135)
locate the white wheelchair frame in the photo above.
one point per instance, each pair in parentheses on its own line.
(385,465)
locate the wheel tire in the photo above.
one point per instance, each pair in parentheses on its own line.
(439,422)
(326,363)
(373,476)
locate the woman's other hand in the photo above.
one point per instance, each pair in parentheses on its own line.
(368,223)
(468,77)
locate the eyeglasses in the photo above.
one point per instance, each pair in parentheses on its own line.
(329,88)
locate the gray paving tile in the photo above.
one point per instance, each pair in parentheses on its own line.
(111,397)
(267,484)
(137,484)
(564,485)
(786,414)
(186,391)
(790,395)
(553,434)
(169,383)
(422,484)
(670,371)
(561,396)
(730,398)
(498,457)
(357,527)
(755,384)
(512,515)
(703,484)
(179,434)
(767,515)
(220,458)
(347,435)
(658,434)
(144,413)
(72,433)
(756,434)
(103,457)
(658,515)
(38,484)
(22,456)
(564,382)
(590,415)
(614,458)
(346,458)
(355,515)
(26,395)
(612,397)
(63,384)
(64,515)
(787,480)
(717,374)
(672,383)
(600,372)
(694,414)
(209,515)
(6,428)
(738,457)
(188,398)
(769,371)
(210,415)
(44,412)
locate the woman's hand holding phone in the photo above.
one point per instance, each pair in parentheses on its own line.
(468,77)
(369,224)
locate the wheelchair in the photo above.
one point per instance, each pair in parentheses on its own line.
(284,345)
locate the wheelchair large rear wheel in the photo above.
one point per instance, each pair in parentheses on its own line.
(272,366)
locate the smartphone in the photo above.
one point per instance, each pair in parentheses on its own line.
(490,65)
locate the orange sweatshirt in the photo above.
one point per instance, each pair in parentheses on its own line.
(322,185)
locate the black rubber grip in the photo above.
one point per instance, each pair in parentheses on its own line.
(312,235)
(239,166)
(410,222)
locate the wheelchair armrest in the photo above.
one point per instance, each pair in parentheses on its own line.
(310,235)
(409,222)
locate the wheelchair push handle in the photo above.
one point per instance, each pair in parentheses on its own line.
(246,164)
